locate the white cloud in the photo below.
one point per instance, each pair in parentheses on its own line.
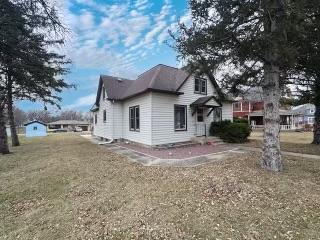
(86,20)
(142,5)
(82,102)
(113,38)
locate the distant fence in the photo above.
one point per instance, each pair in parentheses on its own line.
(282,127)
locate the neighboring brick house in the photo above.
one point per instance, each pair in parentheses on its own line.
(249,102)
(250,106)
(242,108)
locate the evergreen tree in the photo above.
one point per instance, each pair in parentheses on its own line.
(258,39)
(306,73)
(29,70)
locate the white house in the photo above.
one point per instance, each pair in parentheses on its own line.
(163,105)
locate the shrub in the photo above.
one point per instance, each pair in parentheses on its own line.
(231,132)
(236,133)
(240,120)
(217,127)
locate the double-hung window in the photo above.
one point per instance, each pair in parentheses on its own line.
(200,85)
(134,118)
(95,119)
(180,117)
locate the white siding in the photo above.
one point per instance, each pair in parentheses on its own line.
(104,129)
(163,114)
(144,135)
(117,120)
(227,111)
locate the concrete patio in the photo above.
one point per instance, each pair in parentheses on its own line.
(190,156)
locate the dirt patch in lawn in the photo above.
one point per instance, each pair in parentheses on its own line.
(88,192)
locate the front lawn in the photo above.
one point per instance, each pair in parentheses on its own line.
(299,142)
(64,187)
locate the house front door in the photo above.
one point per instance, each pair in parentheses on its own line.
(200,123)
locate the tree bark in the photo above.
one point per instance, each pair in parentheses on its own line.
(14,135)
(316,126)
(271,155)
(4,148)
(274,25)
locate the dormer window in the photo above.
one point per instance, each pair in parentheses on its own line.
(200,86)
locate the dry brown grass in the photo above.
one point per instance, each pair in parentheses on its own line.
(298,142)
(63,187)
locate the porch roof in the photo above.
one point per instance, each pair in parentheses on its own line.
(282,112)
(208,101)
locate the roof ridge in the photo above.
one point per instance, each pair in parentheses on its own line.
(160,64)
(154,77)
(104,75)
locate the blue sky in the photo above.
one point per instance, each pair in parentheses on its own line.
(119,38)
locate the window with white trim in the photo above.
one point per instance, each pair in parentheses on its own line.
(134,118)
(200,85)
(310,120)
(95,119)
(180,117)
(237,106)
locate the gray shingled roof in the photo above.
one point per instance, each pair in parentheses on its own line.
(203,100)
(159,78)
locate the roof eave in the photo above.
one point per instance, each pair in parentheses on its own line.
(146,91)
(35,122)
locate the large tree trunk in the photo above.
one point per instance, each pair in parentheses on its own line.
(271,155)
(14,135)
(316,131)
(316,126)
(274,25)
(4,148)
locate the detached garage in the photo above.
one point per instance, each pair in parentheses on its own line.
(36,129)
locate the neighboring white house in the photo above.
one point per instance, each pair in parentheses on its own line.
(163,105)
(304,116)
